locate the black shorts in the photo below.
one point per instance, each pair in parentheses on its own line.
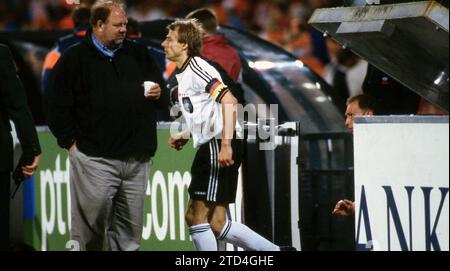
(210,182)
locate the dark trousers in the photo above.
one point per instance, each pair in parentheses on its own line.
(5,181)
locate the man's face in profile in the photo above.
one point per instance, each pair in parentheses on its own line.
(173,49)
(353,110)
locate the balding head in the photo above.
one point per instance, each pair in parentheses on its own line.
(109,22)
(102,9)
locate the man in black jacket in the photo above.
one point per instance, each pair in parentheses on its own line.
(13,106)
(98,111)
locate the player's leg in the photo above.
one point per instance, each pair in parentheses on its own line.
(199,228)
(238,234)
(204,178)
(225,193)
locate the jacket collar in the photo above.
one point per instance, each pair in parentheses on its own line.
(102,50)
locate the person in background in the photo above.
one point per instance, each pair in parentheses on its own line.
(99,113)
(215,46)
(359,105)
(80,18)
(13,106)
(134,33)
(345,72)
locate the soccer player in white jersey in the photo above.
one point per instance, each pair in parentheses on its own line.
(209,109)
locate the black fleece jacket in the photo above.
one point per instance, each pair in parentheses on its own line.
(98,102)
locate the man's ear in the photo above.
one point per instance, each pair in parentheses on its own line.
(100,25)
(185,47)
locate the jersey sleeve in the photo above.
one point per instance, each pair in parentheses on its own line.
(209,79)
(216,89)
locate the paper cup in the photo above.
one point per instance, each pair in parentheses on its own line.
(147,86)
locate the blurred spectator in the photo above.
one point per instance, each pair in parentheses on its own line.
(144,10)
(37,14)
(239,12)
(244,14)
(215,46)
(134,34)
(345,72)
(261,13)
(275,24)
(48,14)
(80,18)
(219,10)
(298,39)
(356,72)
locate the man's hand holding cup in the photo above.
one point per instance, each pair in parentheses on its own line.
(152,90)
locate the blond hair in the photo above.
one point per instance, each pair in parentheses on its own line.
(189,32)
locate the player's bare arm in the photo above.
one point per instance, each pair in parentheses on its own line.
(229,103)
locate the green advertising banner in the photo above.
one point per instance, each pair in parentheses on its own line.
(165,202)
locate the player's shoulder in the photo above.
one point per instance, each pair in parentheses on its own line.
(199,71)
(200,63)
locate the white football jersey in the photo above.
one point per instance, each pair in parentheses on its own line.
(200,90)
